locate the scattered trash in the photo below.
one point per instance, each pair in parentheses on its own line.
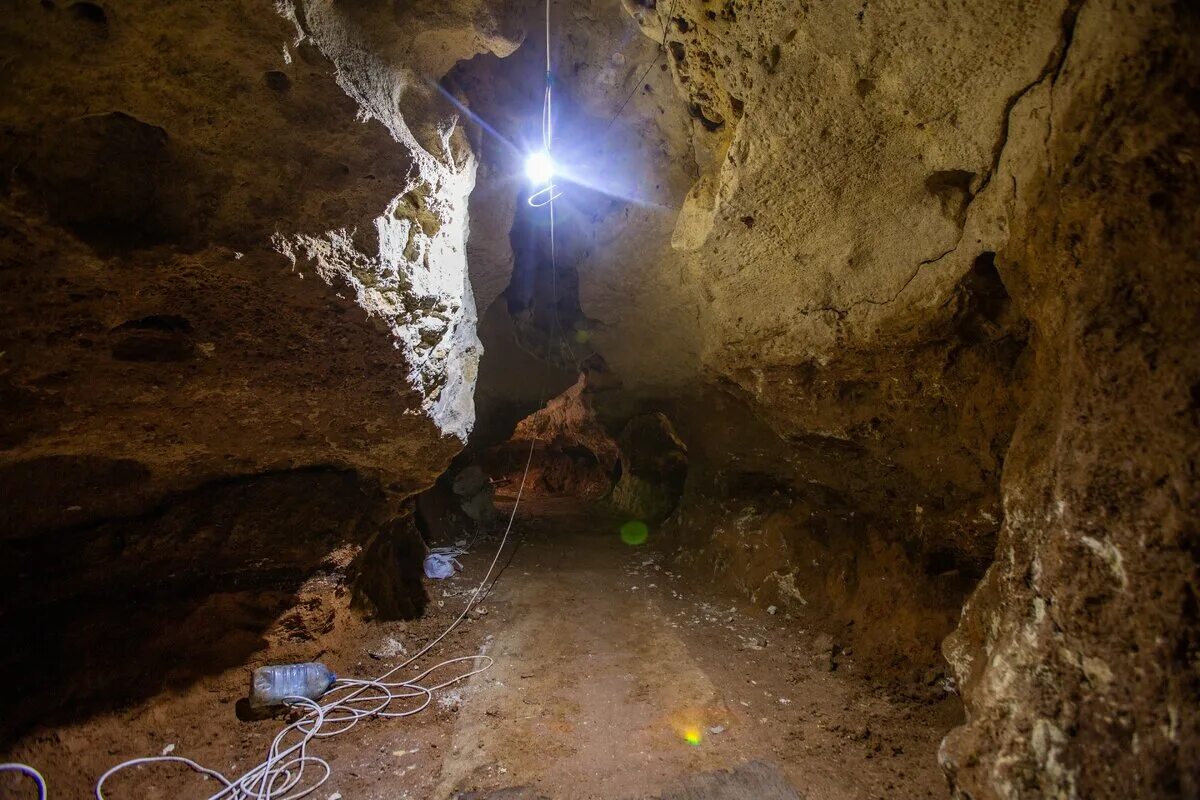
(715,729)
(270,685)
(166,751)
(335,796)
(772,609)
(439,565)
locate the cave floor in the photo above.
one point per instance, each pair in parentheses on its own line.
(614,678)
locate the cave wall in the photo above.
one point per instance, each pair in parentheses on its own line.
(696,244)
(232,255)
(1078,653)
(913,283)
(1055,306)
(916,285)
(692,238)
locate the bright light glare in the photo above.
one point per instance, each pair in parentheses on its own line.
(539,168)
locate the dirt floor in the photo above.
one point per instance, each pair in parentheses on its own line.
(615,677)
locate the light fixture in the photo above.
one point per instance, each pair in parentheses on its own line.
(539,168)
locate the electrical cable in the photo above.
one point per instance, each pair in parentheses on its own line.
(551,194)
(280,775)
(662,47)
(29,772)
(547,195)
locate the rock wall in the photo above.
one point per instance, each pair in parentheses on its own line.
(1050,187)
(566,449)
(232,239)
(1078,654)
(653,469)
(916,285)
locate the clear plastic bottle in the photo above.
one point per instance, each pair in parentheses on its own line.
(270,685)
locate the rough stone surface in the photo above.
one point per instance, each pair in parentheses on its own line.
(1078,654)
(914,284)
(564,447)
(233,242)
(881,238)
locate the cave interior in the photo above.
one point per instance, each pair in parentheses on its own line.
(826,425)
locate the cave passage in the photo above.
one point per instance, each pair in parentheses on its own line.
(619,668)
(833,433)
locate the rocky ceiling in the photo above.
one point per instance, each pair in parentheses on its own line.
(929,266)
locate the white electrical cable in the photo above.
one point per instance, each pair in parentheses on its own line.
(547,196)
(279,777)
(550,193)
(28,772)
(547,113)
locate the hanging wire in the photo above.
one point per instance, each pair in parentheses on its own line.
(545,197)
(661,48)
(550,193)
(547,128)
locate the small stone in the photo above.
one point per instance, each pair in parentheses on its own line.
(772,609)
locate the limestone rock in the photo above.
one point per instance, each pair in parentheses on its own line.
(1077,654)
(233,245)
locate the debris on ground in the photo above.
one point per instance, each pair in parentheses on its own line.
(441,563)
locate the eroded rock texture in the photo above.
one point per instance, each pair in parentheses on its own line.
(561,449)
(915,284)
(1079,653)
(238,329)
(912,285)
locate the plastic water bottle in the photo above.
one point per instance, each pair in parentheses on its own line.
(270,685)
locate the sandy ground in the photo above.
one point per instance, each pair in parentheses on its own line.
(615,677)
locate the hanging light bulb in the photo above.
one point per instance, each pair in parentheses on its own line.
(539,168)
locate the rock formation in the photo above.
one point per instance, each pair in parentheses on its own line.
(893,304)
(238,327)
(939,268)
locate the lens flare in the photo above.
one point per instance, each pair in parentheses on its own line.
(634,532)
(539,168)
